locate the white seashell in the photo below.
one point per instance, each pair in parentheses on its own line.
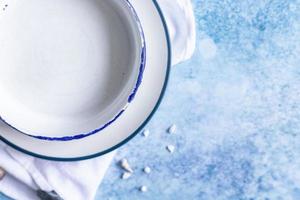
(147,170)
(125,165)
(171,148)
(143,188)
(126,175)
(146,133)
(172,129)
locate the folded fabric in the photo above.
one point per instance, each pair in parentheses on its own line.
(26,175)
(180,20)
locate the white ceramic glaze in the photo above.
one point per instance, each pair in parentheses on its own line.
(132,120)
(67,67)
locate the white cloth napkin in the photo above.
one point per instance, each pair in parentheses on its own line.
(180,20)
(80,180)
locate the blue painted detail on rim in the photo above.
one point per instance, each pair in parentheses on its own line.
(130,98)
(135,132)
(143,53)
(140,77)
(76,137)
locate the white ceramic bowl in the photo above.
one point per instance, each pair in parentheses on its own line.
(65,76)
(137,115)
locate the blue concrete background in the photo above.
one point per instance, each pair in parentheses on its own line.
(237,108)
(236,104)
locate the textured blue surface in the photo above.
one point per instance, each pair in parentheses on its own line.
(236,105)
(237,108)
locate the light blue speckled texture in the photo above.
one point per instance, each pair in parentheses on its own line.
(237,108)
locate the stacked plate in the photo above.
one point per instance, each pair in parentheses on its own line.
(79,78)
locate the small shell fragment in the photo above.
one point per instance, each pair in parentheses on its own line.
(147,170)
(125,165)
(170,148)
(146,133)
(2,173)
(143,188)
(172,129)
(126,175)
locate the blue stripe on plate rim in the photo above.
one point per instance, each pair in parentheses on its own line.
(134,133)
(129,100)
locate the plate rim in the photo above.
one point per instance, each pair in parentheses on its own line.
(134,133)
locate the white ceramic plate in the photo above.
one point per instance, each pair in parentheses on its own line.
(136,116)
(68,68)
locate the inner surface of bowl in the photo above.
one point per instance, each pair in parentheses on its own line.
(67,67)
